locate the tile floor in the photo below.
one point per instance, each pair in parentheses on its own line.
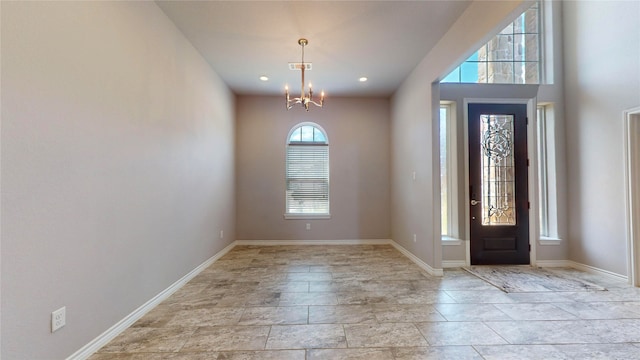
(371,302)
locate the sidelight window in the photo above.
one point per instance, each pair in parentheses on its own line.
(448,174)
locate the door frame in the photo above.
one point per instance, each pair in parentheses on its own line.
(631,119)
(532,172)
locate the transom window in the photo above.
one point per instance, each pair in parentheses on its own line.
(307,172)
(511,57)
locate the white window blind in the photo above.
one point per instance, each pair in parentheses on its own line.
(307,178)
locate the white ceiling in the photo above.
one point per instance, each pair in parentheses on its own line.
(382,40)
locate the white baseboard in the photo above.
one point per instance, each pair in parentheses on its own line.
(582,267)
(447,264)
(553,263)
(102,339)
(314,242)
(423,265)
(594,270)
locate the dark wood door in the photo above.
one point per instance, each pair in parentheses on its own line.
(498,167)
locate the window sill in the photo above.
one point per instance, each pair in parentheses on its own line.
(549,241)
(307,216)
(448,240)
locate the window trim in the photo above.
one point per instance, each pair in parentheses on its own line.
(307,216)
(450,236)
(543,179)
(547,176)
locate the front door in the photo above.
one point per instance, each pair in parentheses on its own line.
(499,206)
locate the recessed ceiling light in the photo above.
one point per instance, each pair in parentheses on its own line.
(264,78)
(363,79)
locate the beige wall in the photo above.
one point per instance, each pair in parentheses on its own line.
(602,79)
(117,167)
(358,131)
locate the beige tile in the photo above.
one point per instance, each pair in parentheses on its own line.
(283,286)
(368,297)
(263,355)
(480,297)
(548,332)
(157,317)
(425,297)
(306,336)
(392,313)
(350,354)
(521,352)
(273,315)
(228,338)
(149,340)
(437,353)
(384,335)
(292,299)
(599,351)
(199,300)
(537,311)
(471,312)
(314,276)
(459,333)
(256,298)
(213,316)
(341,314)
(155,356)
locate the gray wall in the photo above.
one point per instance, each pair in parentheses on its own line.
(358,131)
(117,167)
(602,78)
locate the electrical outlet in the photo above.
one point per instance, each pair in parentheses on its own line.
(414,238)
(58,319)
(221,234)
(308,226)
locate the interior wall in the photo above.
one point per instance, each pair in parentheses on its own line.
(414,135)
(602,79)
(117,167)
(358,132)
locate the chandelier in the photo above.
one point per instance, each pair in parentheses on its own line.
(304,99)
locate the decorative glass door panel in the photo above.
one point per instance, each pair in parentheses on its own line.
(498,190)
(498,180)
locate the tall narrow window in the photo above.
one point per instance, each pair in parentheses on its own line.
(542,172)
(448,174)
(444,184)
(547,177)
(307,172)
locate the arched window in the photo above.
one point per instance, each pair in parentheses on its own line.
(307,173)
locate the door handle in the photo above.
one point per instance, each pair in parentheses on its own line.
(474,202)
